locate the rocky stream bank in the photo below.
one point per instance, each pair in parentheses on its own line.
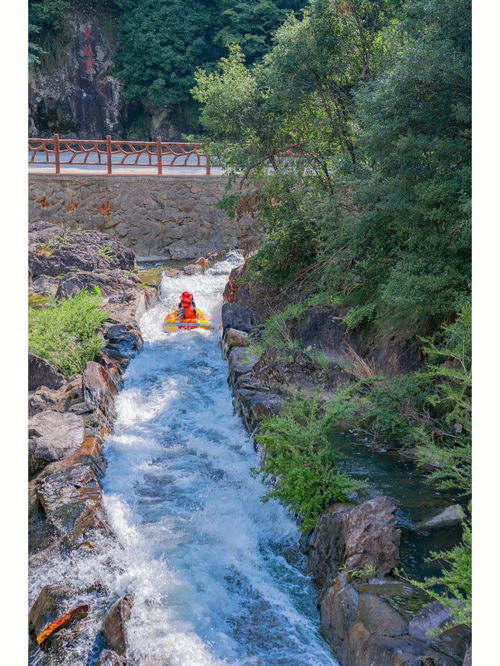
(69,418)
(377,619)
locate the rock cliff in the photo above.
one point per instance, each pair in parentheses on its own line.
(74,91)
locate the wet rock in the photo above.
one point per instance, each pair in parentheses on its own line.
(77,613)
(357,537)
(429,625)
(173,273)
(379,617)
(109,658)
(254,406)
(52,436)
(99,390)
(42,373)
(429,619)
(236,316)
(338,611)
(47,607)
(114,625)
(192,269)
(234,338)
(365,649)
(240,362)
(70,496)
(203,262)
(231,287)
(385,587)
(123,341)
(468,657)
(57,401)
(452,515)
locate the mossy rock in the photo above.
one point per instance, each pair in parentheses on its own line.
(37,301)
(152,276)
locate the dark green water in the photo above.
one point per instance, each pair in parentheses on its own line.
(389,474)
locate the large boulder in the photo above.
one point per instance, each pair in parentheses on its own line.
(46,608)
(54,251)
(52,436)
(284,370)
(234,338)
(452,515)
(99,392)
(321,326)
(58,401)
(114,625)
(254,406)
(108,281)
(240,362)
(365,630)
(68,497)
(42,373)
(355,537)
(237,316)
(123,341)
(435,625)
(231,287)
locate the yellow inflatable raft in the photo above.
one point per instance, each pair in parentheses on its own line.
(173,323)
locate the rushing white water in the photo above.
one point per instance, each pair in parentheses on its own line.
(216,574)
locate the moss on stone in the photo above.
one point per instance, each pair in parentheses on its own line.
(152,276)
(37,301)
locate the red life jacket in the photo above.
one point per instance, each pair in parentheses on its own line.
(187,305)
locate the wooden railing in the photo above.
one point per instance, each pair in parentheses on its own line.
(115,155)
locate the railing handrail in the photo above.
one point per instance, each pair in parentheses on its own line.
(188,152)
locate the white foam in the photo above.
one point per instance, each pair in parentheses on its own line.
(215,573)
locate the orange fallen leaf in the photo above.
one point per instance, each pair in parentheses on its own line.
(76,613)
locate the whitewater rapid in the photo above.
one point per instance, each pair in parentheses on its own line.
(216,574)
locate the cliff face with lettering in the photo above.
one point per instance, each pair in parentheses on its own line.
(74,92)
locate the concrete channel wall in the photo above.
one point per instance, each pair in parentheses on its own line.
(175,217)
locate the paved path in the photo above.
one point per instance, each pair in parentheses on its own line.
(123,171)
(93,167)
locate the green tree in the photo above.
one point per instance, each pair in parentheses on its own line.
(251,25)
(161,45)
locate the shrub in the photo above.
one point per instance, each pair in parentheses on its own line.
(454,587)
(299,458)
(65,333)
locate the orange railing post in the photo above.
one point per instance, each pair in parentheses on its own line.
(56,153)
(108,153)
(158,151)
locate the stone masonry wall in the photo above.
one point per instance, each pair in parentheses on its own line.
(163,216)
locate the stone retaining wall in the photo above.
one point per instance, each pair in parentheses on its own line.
(165,216)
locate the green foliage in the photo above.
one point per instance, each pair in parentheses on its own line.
(376,211)
(360,314)
(65,333)
(106,252)
(277,331)
(161,44)
(429,409)
(453,589)
(252,24)
(367,572)
(300,461)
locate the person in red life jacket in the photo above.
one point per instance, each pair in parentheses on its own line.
(187,306)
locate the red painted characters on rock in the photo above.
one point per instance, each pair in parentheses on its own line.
(88,51)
